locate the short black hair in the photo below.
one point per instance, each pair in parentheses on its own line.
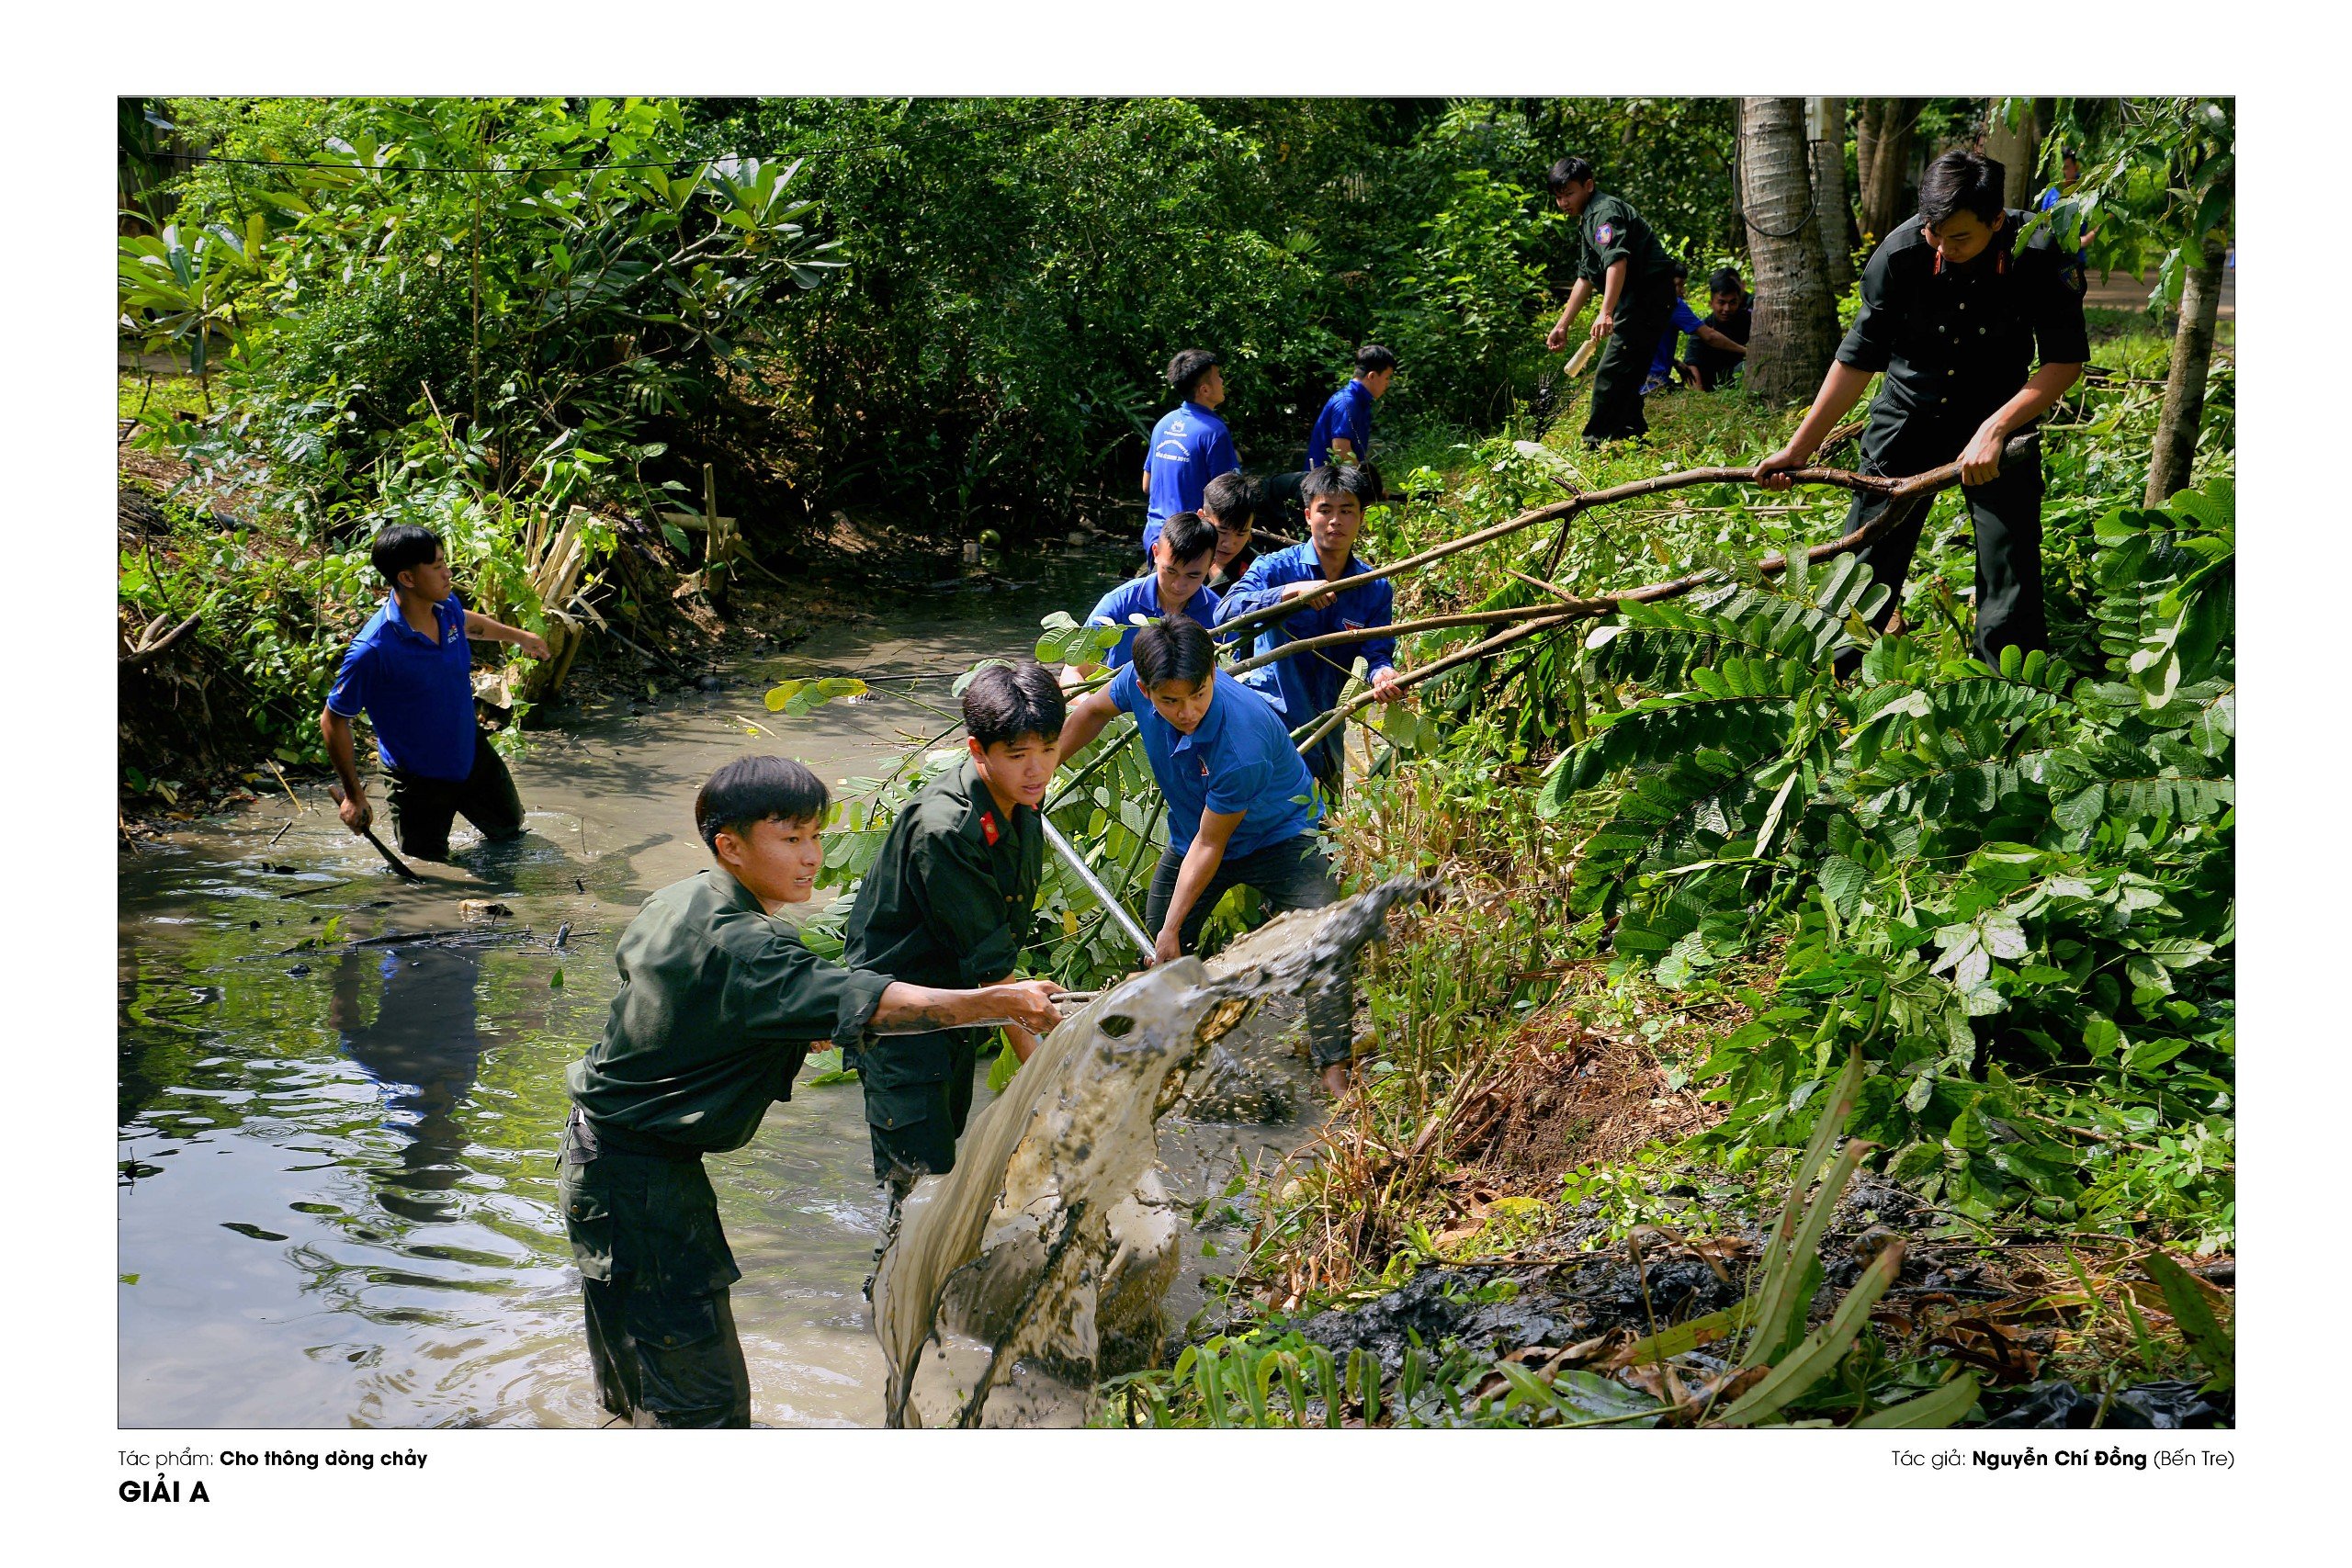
(1962,181)
(1233,496)
(753,789)
(1176,648)
(1372,359)
(1725,281)
(1005,701)
(1362,482)
(1184,371)
(401,546)
(1189,536)
(1681,268)
(1568,171)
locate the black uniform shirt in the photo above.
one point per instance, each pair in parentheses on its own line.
(718,1005)
(1716,363)
(950,897)
(1958,342)
(1609,231)
(1234,570)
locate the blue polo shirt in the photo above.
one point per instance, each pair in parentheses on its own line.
(417,691)
(1189,446)
(1685,320)
(1307,685)
(1141,596)
(1240,759)
(1346,412)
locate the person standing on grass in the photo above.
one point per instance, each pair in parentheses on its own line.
(1190,445)
(1618,256)
(410,671)
(948,903)
(718,1005)
(1177,585)
(1241,809)
(1954,311)
(1305,686)
(1343,431)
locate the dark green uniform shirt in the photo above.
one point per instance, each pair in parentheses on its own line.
(949,900)
(718,1005)
(1609,231)
(1958,342)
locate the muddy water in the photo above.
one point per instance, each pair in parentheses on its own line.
(337,1182)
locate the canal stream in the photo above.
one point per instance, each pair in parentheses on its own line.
(336,1189)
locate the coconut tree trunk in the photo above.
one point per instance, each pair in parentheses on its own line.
(1826,144)
(2174,457)
(2017,149)
(1866,116)
(1795,331)
(1890,167)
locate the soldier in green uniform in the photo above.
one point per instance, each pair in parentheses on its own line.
(1955,312)
(948,903)
(1616,253)
(719,1003)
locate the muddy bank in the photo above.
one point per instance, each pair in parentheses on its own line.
(1571,1301)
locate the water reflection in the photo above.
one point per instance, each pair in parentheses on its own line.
(336,1198)
(423,1049)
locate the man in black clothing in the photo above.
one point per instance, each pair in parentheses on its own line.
(1953,310)
(1715,358)
(1231,502)
(1618,257)
(948,904)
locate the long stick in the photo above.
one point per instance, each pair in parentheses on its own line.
(1095,884)
(1905,502)
(369,834)
(1838,479)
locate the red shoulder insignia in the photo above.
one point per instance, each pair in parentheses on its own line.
(988,828)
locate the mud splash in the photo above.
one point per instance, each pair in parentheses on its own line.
(1048,1250)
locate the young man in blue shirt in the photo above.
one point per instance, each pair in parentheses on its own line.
(1305,686)
(1181,559)
(410,671)
(1241,812)
(1343,431)
(1190,445)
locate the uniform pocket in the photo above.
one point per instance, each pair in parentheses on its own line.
(587,1222)
(906,1106)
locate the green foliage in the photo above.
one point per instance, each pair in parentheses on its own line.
(2012,883)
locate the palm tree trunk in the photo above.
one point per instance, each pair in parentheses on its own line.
(2017,148)
(2175,458)
(1825,143)
(1890,167)
(1795,330)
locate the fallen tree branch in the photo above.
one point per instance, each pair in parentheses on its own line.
(1905,502)
(1934,479)
(152,649)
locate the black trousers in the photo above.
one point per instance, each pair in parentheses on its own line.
(918,1091)
(424,808)
(2006,516)
(1625,360)
(654,1268)
(1291,874)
